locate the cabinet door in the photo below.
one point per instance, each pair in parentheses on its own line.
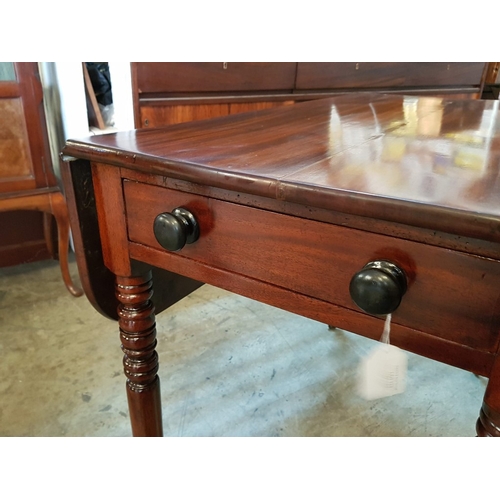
(25,161)
(160,77)
(388,75)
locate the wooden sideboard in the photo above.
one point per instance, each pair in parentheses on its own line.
(167,93)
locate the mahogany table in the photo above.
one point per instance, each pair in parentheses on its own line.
(342,210)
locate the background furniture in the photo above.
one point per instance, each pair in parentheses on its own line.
(313,208)
(492,81)
(27,180)
(95,116)
(167,93)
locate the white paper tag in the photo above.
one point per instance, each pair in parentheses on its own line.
(383,372)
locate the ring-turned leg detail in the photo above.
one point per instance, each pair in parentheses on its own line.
(138,336)
(488,423)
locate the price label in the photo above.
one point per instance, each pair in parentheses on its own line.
(383,372)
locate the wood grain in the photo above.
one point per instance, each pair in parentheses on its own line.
(15,156)
(450,352)
(111,216)
(441,239)
(362,155)
(293,201)
(451,295)
(386,75)
(140,361)
(159,116)
(194,91)
(211,77)
(97,280)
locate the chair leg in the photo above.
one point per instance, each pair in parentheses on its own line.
(47,234)
(60,212)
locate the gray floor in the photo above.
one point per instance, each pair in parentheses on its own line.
(229,366)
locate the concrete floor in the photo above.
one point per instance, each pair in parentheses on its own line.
(229,366)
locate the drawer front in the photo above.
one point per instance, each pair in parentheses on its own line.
(214,77)
(364,75)
(451,295)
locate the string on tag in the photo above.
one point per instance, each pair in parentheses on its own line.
(387,330)
(382,372)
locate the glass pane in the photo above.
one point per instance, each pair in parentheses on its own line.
(7,72)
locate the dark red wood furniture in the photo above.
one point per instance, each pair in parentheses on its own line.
(165,93)
(287,206)
(27,180)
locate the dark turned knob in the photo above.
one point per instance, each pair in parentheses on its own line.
(173,230)
(379,287)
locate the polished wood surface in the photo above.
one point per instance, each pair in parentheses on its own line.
(155,77)
(140,361)
(386,75)
(233,234)
(97,280)
(427,162)
(158,116)
(293,201)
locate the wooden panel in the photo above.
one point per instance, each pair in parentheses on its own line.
(110,210)
(26,116)
(97,281)
(492,73)
(32,96)
(444,240)
(479,362)
(379,75)
(158,116)
(24,252)
(21,238)
(15,157)
(241,107)
(451,295)
(214,77)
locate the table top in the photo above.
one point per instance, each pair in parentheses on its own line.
(423,161)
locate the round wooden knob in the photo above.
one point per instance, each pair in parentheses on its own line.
(173,230)
(378,288)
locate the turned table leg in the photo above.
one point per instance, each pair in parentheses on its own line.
(138,336)
(488,423)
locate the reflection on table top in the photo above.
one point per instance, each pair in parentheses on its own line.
(358,153)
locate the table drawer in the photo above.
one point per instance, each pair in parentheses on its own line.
(451,295)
